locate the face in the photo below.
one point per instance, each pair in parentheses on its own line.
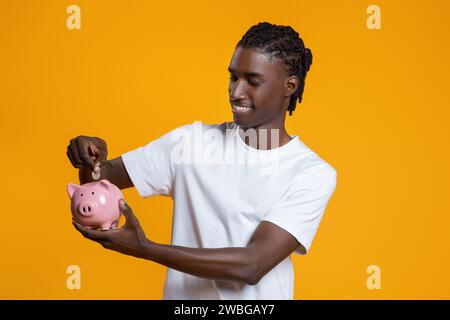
(261,86)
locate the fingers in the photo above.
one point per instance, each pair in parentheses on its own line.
(78,154)
(91,234)
(71,157)
(103,156)
(94,153)
(128,213)
(73,150)
(83,152)
(90,152)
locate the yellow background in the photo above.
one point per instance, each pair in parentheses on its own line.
(375,107)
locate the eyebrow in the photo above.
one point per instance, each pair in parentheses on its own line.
(248,74)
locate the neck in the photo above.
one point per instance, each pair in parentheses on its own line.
(265,137)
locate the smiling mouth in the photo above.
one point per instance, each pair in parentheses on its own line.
(240,109)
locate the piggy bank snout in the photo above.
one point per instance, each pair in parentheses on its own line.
(87,208)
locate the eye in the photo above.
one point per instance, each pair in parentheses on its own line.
(252,83)
(81,194)
(92,192)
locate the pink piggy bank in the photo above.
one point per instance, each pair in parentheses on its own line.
(96,204)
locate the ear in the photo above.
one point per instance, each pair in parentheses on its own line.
(105,184)
(71,189)
(291,85)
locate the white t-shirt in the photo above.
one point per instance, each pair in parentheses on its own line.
(222,189)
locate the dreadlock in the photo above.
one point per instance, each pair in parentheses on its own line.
(284,43)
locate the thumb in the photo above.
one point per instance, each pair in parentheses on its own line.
(93,155)
(97,166)
(127,212)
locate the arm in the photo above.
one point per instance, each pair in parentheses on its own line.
(268,246)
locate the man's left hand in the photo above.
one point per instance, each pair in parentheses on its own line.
(129,239)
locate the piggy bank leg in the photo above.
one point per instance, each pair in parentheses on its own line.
(105,226)
(114,225)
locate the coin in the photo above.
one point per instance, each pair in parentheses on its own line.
(95,175)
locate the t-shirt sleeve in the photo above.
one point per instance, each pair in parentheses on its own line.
(302,209)
(151,167)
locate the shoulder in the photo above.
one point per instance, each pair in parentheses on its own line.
(313,169)
(200,127)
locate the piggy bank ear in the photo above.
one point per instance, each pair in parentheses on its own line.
(72,188)
(105,184)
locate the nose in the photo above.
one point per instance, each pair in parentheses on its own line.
(236,91)
(86,208)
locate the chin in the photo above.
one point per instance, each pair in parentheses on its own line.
(242,123)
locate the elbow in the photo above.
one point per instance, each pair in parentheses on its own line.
(252,281)
(253,277)
(253,273)
(246,275)
(250,270)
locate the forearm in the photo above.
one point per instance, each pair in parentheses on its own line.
(231,264)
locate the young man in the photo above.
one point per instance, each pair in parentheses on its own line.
(246,194)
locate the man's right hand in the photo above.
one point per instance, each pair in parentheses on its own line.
(87,153)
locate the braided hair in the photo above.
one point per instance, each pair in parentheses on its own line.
(281,43)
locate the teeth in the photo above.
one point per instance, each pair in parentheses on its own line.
(239,108)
